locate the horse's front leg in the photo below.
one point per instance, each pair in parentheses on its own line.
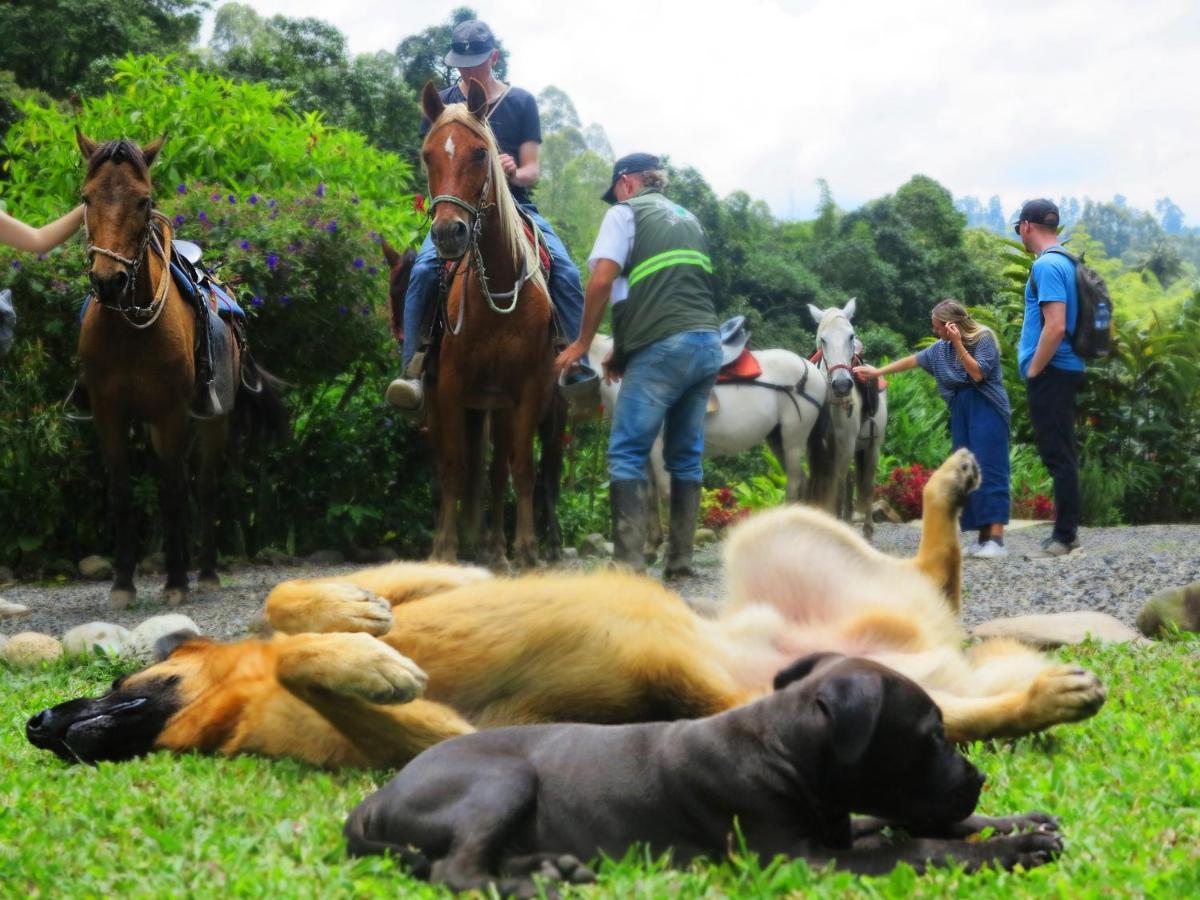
(450,437)
(525,418)
(169,438)
(213,437)
(114,431)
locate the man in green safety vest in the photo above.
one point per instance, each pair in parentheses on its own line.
(651,259)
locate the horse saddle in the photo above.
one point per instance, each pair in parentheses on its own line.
(192,278)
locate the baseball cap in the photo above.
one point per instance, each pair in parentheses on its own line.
(629,165)
(471,42)
(1039,212)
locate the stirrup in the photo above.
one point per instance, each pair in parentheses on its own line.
(74,407)
(207,404)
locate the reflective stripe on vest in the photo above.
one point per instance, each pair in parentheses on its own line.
(670,258)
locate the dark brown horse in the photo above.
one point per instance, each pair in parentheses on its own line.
(496,354)
(137,349)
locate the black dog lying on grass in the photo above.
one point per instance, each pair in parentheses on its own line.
(839,736)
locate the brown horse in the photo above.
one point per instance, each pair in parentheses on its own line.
(137,349)
(496,354)
(550,429)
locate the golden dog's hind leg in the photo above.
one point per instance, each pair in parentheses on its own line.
(939,555)
(360,601)
(368,692)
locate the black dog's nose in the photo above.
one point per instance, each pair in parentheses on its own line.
(35,728)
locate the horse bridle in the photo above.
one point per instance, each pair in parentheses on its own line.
(819,359)
(476,213)
(139,317)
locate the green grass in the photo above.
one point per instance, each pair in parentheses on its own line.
(1125,784)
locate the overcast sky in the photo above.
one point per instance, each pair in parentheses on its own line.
(1016,98)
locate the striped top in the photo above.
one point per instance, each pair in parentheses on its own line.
(941,361)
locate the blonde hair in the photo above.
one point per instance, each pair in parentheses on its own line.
(952,312)
(654,178)
(511,230)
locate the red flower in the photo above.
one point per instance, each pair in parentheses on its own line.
(419,202)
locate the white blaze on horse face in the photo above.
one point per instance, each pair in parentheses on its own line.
(450,146)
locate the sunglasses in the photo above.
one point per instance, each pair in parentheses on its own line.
(1017,228)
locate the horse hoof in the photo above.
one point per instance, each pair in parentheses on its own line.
(208,584)
(121,598)
(175,596)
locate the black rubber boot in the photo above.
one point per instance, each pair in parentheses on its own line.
(78,405)
(685,506)
(628,500)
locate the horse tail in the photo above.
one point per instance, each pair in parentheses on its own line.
(821,457)
(259,413)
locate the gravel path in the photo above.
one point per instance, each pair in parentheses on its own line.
(1117,569)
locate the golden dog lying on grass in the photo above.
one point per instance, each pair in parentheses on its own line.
(374,667)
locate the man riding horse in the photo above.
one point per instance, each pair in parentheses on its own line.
(513,116)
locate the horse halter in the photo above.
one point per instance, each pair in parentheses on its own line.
(476,213)
(139,317)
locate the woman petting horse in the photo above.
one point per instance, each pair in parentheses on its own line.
(137,352)
(496,353)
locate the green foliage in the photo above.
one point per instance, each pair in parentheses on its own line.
(1124,785)
(918,429)
(303,259)
(53,45)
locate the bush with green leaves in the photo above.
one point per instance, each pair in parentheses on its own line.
(290,212)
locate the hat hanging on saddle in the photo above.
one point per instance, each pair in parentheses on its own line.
(734,338)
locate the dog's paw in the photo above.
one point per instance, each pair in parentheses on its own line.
(1028,849)
(954,479)
(1062,694)
(361,666)
(522,874)
(1003,825)
(354,609)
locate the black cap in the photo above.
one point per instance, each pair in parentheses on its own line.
(1039,212)
(629,165)
(471,43)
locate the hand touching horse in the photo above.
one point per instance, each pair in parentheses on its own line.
(496,352)
(137,347)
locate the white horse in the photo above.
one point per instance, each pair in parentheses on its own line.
(779,407)
(835,348)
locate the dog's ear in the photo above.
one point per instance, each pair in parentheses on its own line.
(852,702)
(801,668)
(169,643)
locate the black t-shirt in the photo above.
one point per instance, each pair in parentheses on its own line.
(514,120)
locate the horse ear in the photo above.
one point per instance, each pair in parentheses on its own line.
(389,253)
(816,313)
(848,309)
(431,102)
(150,151)
(86,145)
(476,99)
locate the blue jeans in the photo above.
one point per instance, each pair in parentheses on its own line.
(977,425)
(566,290)
(665,383)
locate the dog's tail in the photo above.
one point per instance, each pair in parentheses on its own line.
(358,843)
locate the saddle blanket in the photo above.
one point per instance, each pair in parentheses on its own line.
(744,368)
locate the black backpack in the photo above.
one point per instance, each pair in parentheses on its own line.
(1092,337)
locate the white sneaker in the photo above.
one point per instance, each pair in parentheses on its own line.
(989,550)
(406,394)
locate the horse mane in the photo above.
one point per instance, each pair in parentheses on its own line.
(511,229)
(118,151)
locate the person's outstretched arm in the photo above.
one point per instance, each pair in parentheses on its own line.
(16,233)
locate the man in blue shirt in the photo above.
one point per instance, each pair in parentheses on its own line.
(513,117)
(1052,371)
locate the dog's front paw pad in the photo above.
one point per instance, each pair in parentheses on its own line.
(1064,694)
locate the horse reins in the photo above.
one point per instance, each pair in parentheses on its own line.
(140,317)
(476,213)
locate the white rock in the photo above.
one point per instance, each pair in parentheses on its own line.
(27,649)
(95,568)
(10,610)
(83,639)
(144,637)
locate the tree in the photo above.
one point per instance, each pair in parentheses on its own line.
(1170,215)
(53,45)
